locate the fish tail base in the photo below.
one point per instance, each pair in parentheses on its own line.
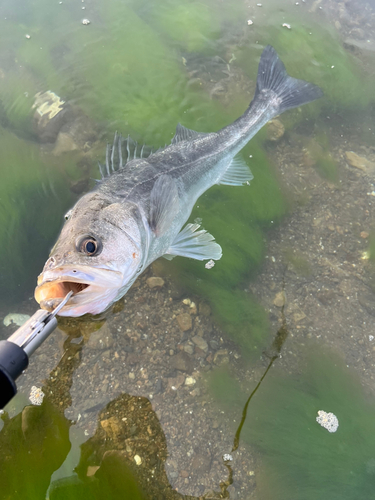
(273,80)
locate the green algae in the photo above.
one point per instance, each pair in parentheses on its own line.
(313,51)
(237,217)
(298,456)
(192,24)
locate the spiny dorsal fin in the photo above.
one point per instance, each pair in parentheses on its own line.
(121,152)
(185,134)
(164,204)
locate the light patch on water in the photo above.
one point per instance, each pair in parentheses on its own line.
(15,319)
(327,420)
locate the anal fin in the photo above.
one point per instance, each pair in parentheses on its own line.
(194,244)
(237,174)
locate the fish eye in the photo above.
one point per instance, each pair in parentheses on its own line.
(89,245)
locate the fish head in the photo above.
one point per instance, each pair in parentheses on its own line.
(97,256)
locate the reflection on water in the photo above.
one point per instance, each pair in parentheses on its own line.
(200,364)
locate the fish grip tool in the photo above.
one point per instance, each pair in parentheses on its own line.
(16,350)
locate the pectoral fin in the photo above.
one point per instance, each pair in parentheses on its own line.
(198,245)
(164,204)
(237,174)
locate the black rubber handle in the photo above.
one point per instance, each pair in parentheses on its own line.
(13,360)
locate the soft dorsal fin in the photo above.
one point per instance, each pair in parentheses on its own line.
(164,204)
(185,134)
(237,173)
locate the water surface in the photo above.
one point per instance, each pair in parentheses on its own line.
(208,386)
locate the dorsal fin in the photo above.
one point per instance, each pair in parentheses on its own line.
(121,152)
(185,134)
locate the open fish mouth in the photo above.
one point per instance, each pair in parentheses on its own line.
(51,293)
(89,290)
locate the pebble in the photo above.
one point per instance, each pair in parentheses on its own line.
(201,343)
(221,357)
(279,300)
(137,459)
(184,321)
(155,282)
(189,349)
(182,361)
(190,381)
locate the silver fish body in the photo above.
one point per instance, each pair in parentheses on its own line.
(135,214)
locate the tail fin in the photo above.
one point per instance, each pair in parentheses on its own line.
(291,92)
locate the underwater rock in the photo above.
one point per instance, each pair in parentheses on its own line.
(49,116)
(155,282)
(15,319)
(184,322)
(275,130)
(360,162)
(64,144)
(201,343)
(182,361)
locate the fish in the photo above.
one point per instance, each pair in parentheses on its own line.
(139,210)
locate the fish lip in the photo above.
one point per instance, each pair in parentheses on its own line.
(79,274)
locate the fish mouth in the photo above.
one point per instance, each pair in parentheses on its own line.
(93,290)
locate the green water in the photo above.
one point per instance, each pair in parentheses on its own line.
(140,68)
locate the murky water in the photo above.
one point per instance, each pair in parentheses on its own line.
(206,383)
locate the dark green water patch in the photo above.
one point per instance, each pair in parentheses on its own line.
(299,458)
(32,201)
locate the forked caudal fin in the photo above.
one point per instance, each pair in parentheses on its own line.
(291,92)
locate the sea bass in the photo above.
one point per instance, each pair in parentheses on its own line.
(137,212)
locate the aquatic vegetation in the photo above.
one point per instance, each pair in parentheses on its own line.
(298,454)
(237,218)
(193,24)
(313,51)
